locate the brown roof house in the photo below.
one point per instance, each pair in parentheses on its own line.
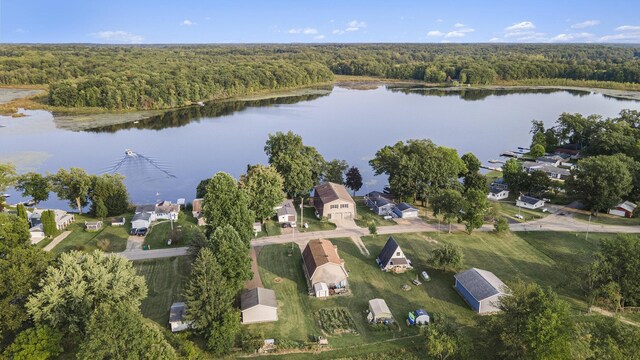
(333,202)
(324,269)
(259,305)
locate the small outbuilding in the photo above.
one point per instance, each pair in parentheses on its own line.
(418,317)
(392,257)
(496,193)
(481,289)
(176,317)
(624,209)
(321,290)
(259,305)
(405,211)
(257,227)
(118,221)
(379,311)
(93,225)
(529,202)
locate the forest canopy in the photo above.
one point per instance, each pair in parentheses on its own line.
(156,77)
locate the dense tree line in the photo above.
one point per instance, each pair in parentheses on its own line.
(153,77)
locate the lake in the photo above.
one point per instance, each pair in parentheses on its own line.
(351,124)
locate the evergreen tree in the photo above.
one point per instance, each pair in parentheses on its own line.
(22,212)
(48,219)
(354,179)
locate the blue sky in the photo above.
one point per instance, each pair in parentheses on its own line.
(332,21)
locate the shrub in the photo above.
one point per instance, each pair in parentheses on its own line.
(373,229)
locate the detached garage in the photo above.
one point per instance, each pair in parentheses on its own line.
(481,289)
(259,305)
(405,211)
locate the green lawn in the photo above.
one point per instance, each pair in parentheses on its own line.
(160,232)
(270,227)
(166,278)
(509,210)
(310,218)
(108,238)
(606,219)
(365,216)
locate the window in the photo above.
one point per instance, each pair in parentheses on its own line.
(333,206)
(398,253)
(342,206)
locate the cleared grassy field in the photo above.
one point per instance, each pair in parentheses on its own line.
(161,231)
(108,238)
(166,279)
(606,219)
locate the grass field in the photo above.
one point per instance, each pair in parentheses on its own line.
(161,231)
(310,218)
(606,219)
(270,227)
(166,278)
(508,209)
(365,216)
(108,238)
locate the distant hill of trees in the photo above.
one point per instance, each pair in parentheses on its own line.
(156,77)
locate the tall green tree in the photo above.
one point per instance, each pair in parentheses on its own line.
(35,186)
(22,212)
(209,300)
(447,255)
(600,182)
(353,179)
(48,219)
(14,232)
(447,203)
(335,171)
(532,324)
(515,176)
(78,283)
(109,189)
(444,340)
(539,182)
(40,342)
(233,256)
(116,332)
(537,151)
(608,338)
(73,186)
(264,185)
(201,190)
(617,266)
(7,178)
(474,209)
(226,204)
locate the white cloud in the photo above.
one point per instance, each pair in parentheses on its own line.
(439,20)
(187,23)
(118,36)
(458,25)
(319,37)
(585,24)
(524,25)
(337,32)
(575,37)
(355,25)
(435,33)
(624,37)
(454,34)
(628,28)
(495,39)
(305,31)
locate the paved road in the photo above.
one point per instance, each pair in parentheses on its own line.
(553,222)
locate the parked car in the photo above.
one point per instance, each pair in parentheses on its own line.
(518,216)
(425,276)
(141,232)
(133,231)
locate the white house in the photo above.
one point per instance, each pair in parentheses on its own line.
(405,211)
(141,220)
(62,218)
(624,209)
(149,209)
(258,305)
(497,194)
(392,257)
(553,172)
(166,210)
(287,213)
(176,317)
(529,202)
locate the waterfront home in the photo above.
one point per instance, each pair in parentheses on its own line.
(405,211)
(623,209)
(149,209)
(323,266)
(176,317)
(379,311)
(553,172)
(554,160)
(392,257)
(333,201)
(500,184)
(287,214)
(141,220)
(258,305)
(497,194)
(62,218)
(166,210)
(379,203)
(481,289)
(93,225)
(529,202)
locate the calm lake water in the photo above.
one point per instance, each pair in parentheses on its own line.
(194,143)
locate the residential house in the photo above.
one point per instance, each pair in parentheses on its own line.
(481,289)
(572,153)
(258,305)
(553,160)
(93,225)
(176,317)
(62,218)
(166,210)
(333,202)
(392,257)
(379,311)
(287,213)
(323,265)
(405,211)
(497,194)
(529,202)
(149,209)
(141,220)
(379,203)
(196,208)
(624,209)
(553,172)
(500,184)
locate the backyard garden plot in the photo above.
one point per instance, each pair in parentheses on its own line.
(336,321)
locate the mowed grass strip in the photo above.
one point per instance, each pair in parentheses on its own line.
(166,278)
(108,238)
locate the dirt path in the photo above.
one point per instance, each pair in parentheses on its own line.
(363,249)
(256,281)
(134,242)
(610,314)
(57,241)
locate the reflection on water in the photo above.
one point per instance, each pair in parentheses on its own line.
(478,94)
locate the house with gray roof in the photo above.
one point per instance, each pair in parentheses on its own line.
(379,203)
(259,305)
(481,289)
(496,193)
(176,317)
(379,311)
(287,213)
(141,220)
(529,202)
(553,172)
(392,257)
(405,211)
